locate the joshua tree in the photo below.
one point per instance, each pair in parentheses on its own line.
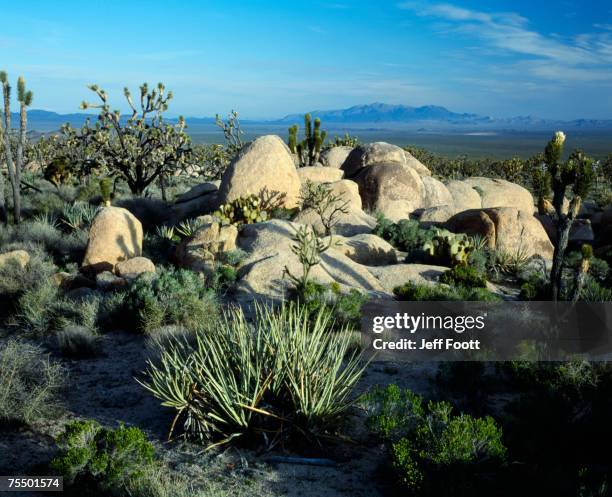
(14,165)
(142,149)
(309,148)
(575,174)
(232,132)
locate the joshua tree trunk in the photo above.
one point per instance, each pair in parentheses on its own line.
(23,122)
(3,216)
(564,225)
(8,151)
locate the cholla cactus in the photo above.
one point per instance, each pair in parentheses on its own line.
(14,165)
(309,148)
(449,248)
(576,175)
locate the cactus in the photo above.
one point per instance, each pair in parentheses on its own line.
(243,210)
(292,141)
(309,148)
(449,248)
(105,190)
(14,165)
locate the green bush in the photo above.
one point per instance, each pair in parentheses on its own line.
(29,383)
(344,306)
(286,371)
(432,451)
(78,342)
(173,296)
(418,293)
(463,275)
(106,459)
(405,235)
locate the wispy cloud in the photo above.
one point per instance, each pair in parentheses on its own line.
(586,57)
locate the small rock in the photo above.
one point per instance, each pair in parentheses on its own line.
(20,257)
(108,281)
(68,281)
(133,268)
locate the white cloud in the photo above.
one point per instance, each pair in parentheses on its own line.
(585,57)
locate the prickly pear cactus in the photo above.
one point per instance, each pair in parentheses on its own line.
(243,210)
(448,248)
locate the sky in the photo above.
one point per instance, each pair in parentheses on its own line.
(266,59)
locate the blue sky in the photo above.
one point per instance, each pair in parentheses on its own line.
(268,59)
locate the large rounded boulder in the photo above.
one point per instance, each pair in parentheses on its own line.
(334,157)
(115,235)
(501,193)
(465,197)
(370,154)
(415,164)
(506,229)
(264,165)
(393,189)
(352,222)
(269,254)
(435,193)
(319,174)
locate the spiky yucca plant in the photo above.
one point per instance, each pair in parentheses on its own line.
(285,370)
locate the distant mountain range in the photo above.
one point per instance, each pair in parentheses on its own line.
(379,113)
(372,116)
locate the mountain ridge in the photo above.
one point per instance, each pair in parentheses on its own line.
(375,114)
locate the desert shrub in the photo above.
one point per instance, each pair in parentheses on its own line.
(29,383)
(173,296)
(78,342)
(43,232)
(464,275)
(535,288)
(102,459)
(198,474)
(598,268)
(593,291)
(434,452)
(284,371)
(413,292)
(344,306)
(327,205)
(405,235)
(15,280)
(37,308)
(78,216)
(558,421)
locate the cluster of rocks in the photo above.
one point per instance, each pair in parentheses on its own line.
(375,177)
(113,256)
